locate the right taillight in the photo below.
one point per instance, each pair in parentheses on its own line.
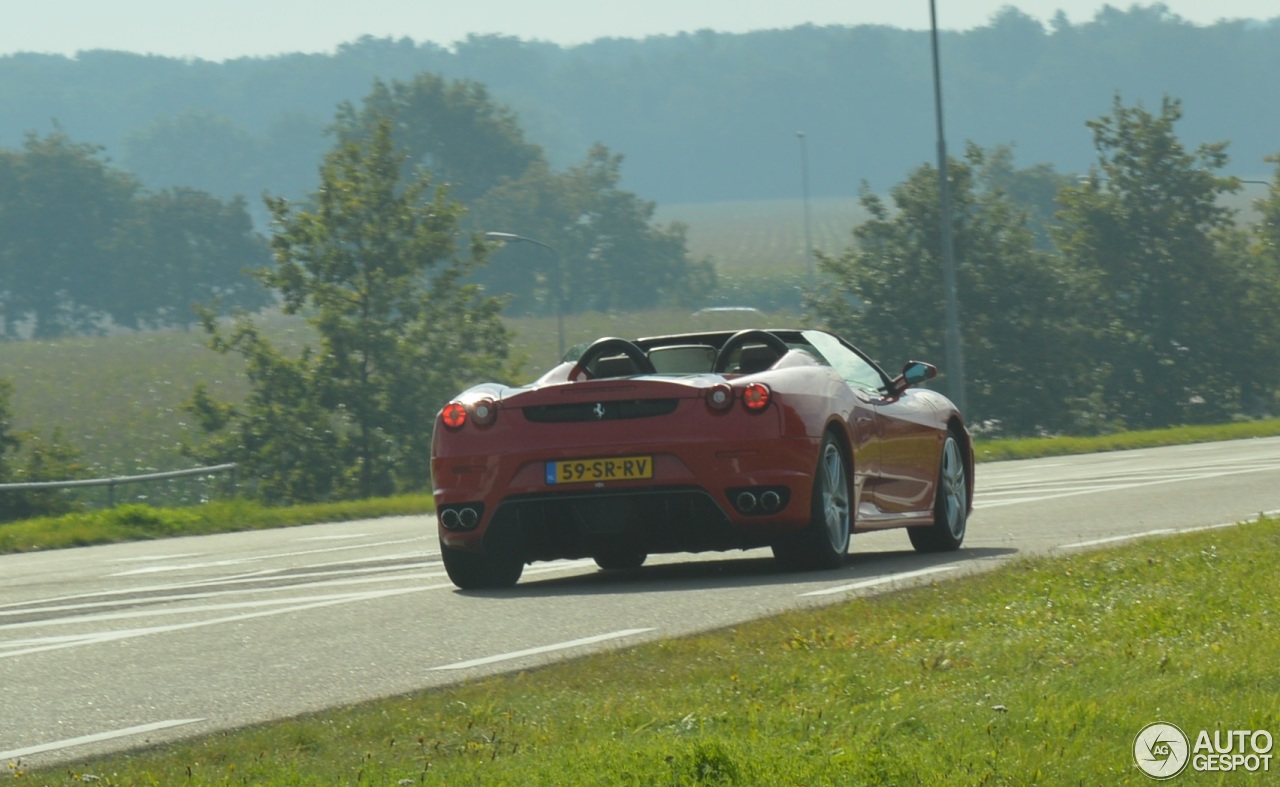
(755,397)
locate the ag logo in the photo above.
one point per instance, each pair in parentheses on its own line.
(1161,750)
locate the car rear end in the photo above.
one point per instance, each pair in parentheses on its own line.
(647,464)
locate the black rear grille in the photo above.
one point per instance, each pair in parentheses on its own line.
(600,411)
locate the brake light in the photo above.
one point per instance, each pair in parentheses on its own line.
(755,397)
(454,415)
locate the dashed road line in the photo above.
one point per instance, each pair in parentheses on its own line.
(96,738)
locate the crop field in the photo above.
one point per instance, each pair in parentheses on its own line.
(765,236)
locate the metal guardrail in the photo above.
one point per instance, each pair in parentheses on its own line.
(112,483)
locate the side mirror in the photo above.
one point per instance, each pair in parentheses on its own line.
(913,373)
(916,372)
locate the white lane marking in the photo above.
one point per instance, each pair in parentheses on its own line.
(1164,531)
(272,556)
(101,736)
(345,537)
(154,558)
(24,647)
(132,595)
(867,583)
(981,502)
(1161,532)
(93,638)
(543,649)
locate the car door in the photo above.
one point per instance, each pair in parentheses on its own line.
(865,380)
(900,434)
(909,451)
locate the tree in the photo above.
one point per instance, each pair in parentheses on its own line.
(452,129)
(1033,189)
(372,264)
(610,252)
(190,248)
(1256,349)
(82,245)
(1025,373)
(1150,230)
(59,205)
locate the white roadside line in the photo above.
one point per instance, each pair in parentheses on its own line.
(543,649)
(980,502)
(93,638)
(1164,531)
(867,583)
(271,556)
(101,736)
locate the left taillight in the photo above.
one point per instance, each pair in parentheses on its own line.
(482,413)
(454,415)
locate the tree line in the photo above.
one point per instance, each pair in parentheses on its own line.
(83,247)
(702,116)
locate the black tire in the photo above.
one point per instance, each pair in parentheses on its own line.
(825,542)
(480,570)
(620,560)
(950,506)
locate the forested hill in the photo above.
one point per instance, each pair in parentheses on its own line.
(700,116)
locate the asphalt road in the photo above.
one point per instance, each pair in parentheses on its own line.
(110,647)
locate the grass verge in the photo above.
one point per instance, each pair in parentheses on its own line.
(1041,672)
(138,522)
(1036,447)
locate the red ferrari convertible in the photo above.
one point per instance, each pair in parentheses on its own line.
(791,439)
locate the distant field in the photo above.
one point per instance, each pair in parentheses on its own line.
(119,398)
(765,236)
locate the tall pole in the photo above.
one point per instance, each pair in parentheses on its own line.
(804,190)
(953,348)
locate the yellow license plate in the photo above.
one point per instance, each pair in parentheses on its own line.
(614,468)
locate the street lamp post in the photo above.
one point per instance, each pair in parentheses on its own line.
(804,190)
(953,347)
(557,283)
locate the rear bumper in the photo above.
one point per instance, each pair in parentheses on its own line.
(694,502)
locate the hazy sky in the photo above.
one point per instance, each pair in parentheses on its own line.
(221,29)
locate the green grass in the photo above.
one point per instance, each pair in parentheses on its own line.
(140,522)
(1035,447)
(1040,672)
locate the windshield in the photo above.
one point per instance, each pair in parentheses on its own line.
(856,370)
